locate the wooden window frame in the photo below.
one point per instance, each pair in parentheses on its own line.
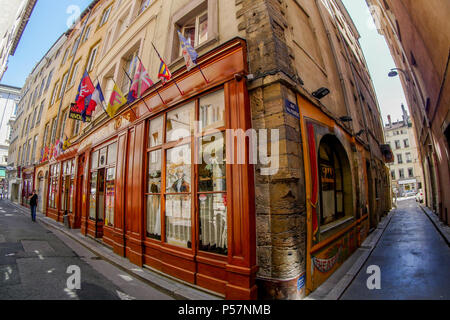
(192,140)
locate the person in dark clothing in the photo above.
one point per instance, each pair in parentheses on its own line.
(33,204)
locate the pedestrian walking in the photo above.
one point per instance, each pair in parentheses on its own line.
(33,204)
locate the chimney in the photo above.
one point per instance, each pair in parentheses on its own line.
(390,121)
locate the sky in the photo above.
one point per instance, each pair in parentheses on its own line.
(48,22)
(51,18)
(389,90)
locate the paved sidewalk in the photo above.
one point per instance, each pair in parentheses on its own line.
(413,257)
(164,283)
(335,285)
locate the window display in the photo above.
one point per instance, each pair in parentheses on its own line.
(174,202)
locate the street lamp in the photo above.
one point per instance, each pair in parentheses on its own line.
(394,72)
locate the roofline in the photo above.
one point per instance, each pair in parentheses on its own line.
(28,11)
(10,87)
(83,14)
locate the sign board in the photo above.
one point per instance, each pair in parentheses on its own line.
(292,109)
(75,113)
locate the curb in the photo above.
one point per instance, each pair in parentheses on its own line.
(335,286)
(153,278)
(440,227)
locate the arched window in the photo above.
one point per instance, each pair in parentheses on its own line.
(335,181)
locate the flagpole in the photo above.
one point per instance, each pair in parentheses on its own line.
(181,92)
(131,83)
(206,80)
(101,102)
(128,104)
(157,91)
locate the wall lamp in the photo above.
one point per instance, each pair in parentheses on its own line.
(394,72)
(321,93)
(346,119)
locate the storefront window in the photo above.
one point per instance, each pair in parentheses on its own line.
(212,196)
(174,202)
(154,195)
(331,183)
(68,176)
(93,196)
(178,199)
(180,122)
(53,186)
(110,183)
(103,178)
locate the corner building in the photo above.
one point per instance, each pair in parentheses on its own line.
(228,227)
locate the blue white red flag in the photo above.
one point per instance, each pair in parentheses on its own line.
(189,54)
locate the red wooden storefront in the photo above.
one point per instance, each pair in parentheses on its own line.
(138,184)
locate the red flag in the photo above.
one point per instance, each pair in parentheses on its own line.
(85,90)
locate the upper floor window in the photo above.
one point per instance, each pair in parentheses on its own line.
(143,5)
(408,157)
(130,68)
(55,90)
(91,61)
(406,142)
(66,53)
(86,34)
(63,84)
(105,16)
(196,30)
(49,80)
(399,159)
(74,74)
(411,172)
(197,21)
(397,144)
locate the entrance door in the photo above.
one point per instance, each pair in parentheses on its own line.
(100,202)
(41,195)
(372,215)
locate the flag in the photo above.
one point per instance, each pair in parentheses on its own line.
(97,98)
(115,101)
(83,99)
(164,72)
(141,83)
(189,54)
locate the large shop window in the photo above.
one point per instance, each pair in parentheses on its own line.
(53,186)
(186,175)
(335,180)
(68,176)
(102,184)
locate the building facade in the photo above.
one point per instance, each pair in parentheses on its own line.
(25,151)
(406,170)
(9,97)
(421,50)
(282,106)
(14,18)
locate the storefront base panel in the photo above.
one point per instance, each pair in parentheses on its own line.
(134,250)
(108,236)
(326,260)
(233,292)
(271,289)
(95,229)
(119,243)
(52,214)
